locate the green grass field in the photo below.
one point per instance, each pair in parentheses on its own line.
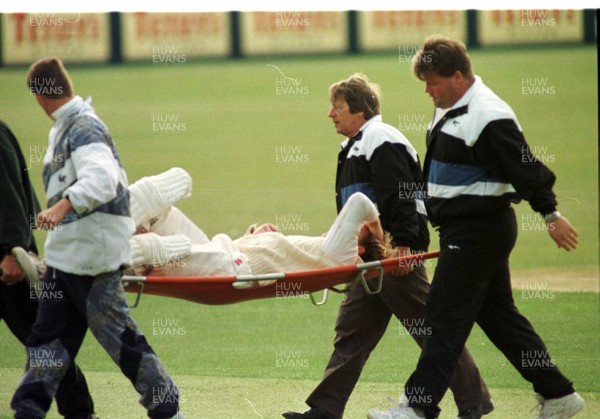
(259,155)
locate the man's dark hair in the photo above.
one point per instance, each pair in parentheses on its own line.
(374,249)
(49,78)
(443,56)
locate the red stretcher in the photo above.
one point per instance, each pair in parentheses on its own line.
(219,290)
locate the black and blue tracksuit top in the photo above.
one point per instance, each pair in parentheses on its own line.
(381,163)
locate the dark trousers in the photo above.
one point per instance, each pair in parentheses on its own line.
(472,284)
(18,307)
(362,321)
(68,305)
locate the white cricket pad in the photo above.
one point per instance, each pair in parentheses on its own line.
(152,250)
(153,195)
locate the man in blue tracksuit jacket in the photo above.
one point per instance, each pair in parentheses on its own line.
(477,164)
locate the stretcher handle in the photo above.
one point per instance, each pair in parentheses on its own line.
(323,298)
(378,281)
(139,281)
(360,278)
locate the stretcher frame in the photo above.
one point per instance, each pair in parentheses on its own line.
(220,290)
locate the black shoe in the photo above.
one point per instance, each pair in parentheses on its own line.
(313,413)
(477,411)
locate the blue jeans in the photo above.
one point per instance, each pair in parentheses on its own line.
(18,309)
(69,305)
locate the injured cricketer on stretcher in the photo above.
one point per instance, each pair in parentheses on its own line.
(168,243)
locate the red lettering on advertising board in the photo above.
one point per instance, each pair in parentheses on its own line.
(415,18)
(55,27)
(179,25)
(294,21)
(532,17)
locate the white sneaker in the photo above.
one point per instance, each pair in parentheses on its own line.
(31,265)
(401,411)
(561,408)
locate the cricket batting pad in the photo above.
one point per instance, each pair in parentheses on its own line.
(152,195)
(152,250)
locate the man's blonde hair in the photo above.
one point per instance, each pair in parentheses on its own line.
(360,94)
